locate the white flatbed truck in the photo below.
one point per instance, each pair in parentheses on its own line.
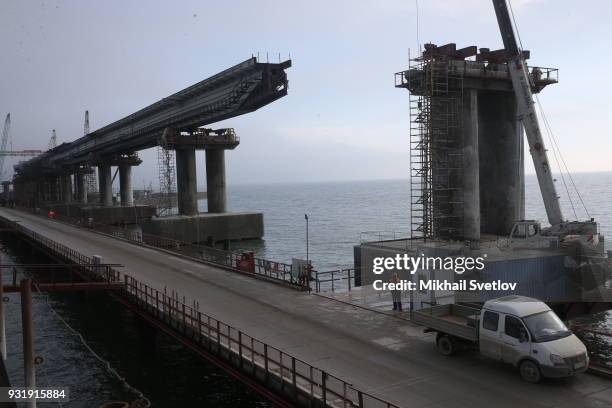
(518,330)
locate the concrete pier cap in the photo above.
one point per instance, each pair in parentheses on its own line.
(214,142)
(217,224)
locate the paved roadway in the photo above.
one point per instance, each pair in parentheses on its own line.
(380,354)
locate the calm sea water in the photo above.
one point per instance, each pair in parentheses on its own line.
(339,213)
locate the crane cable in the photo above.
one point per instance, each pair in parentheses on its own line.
(553,144)
(554,140)
(552,137)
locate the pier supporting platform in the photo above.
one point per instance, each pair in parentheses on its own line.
(207,227)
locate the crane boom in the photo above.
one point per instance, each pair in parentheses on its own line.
(5,138)
(527,113)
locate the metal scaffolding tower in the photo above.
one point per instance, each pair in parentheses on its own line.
(166,164)
(436,158)
(92,183)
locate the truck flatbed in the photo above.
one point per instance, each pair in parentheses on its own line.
(457,320)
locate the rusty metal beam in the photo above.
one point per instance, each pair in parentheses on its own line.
(466,52)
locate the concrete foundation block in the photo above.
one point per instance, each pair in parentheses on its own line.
(104,215)
(134,214)
(207,227)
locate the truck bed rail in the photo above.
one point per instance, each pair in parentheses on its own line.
(456,320)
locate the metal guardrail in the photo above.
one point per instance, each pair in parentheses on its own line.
(382,236)
(333,280)
(100,273)
(598,343)
(265,363)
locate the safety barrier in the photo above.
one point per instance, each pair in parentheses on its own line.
(268,365)
(599,346)
(333,280)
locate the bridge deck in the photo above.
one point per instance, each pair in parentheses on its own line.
(380,354)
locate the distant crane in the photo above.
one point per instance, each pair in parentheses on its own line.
(5,137)
(86,126)
(11,153)
(53,140)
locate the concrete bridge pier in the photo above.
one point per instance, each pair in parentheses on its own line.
(81,187)
(217,225)
(105,186)
(125,184)
(186,181)
(52,189)
(66,188)
(215,180)
(106,212)
(6,193)
(471,168)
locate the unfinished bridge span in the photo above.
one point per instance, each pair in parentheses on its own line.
(57,179)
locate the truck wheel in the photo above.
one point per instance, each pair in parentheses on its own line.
(530,372)
(446,345)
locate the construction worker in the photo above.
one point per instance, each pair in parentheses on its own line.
(396,294)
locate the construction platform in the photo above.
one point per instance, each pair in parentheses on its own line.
(386,356)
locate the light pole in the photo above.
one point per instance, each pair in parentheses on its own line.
(306,218)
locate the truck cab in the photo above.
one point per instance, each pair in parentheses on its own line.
(528,234)
(526,333)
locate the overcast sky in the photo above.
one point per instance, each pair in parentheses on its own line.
(342,120)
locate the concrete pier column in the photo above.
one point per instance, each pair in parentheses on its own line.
(81,185)
(40,193)
(125,184)
(215,180)
(5,191)
(66,188)
(471,167)
(500,161)
(105,186)
(186,181)
(52,190)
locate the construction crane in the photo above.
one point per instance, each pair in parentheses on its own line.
(53,140)
(5,138)
(11,153)
(86,125)
(521,82)
(527,113)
